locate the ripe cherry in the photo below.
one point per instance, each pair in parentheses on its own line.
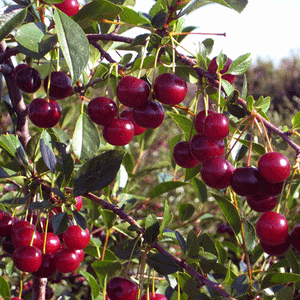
(24,236)
(274,167)
(262,204)
(119,288)
(127,114)
(28,79)
(119,132)
(216,172)
(17,69)
(272,228)
(78,204)
(69,7)
(60,85)
(47,268)
(75,233)
(213,67)
(295,236)
(277,249)
(67,261)
(7,245)
(149,116)
(6,223)
(270,189)
(18,225)
(156,296)
(102,110)
(133,92)
(199,120)
(169,89)
(43,113)
(52,243)
(27,258)
(203,147)
(216,126)
(182,155)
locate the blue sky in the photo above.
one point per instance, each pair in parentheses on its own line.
(267,28)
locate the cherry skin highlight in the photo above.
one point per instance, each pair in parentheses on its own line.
(216,126)
(67,261)
(119,288)
(69,7)
(75,233)
(127,114)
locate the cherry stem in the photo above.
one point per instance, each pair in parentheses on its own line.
(198,33)
(105,244)
(251,144)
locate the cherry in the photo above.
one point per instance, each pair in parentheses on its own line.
(277,249)
(262,204)
(216,172)
(24,236)
(43,113)
(17,69)
(274,167)
(48,267)
(119,288)
(246,181)
(75,233)
(60,85)
(133,92)
(199,120)
(52,243)
(271,189)
(169,89)
(102,110)
(149,116)
(27,258)
(182,155)
(213,67)
(7,245)
(18,225)
(127,114)
(156,296)
(119,132)
(272,228)
(78,204)
(16,298)
(69,7)
(67,261)
(296,237)
(203,147)
(28,79)
(80,254)
(216,126)
(6,225)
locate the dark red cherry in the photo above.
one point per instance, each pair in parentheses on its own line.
(119,288)
(119,132)
(67,261)
(17,69)
(7,245)
(27,258)
(149,116)
(216,126)
(43,113)
(296,237)
(270,189)
(203,147)
(260,203)
(133,92)
(75,233)
(272,228)
(199,120)
(156,296)
(69,7)
(28,79)
(274,167)
(277,249)
(169,89)
(127,114)
(6,223)
(216,172)
(246,181)
(52,243)
(182,155)
(102,110)
(48,267)
(213,67)
(24,236)
(18,225)
(60,85)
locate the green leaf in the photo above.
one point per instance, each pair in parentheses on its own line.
(73,42)
(193,247)
(250,101)
(245,88)
(240,65)
(60,223)
(9,143)
(285,293)
(151,229)
(165,187)
(184,123)
(98,172)
(240,285)
(207,244)
(278,279)
(292,259)
(130,16)
(167,217)
(188,285)
(186,210)
(95,289)
(222,253)
(250,235)
(200,189)
(48,156)
(181,241)
(109,218)
(86,140)
(80,220)
(262,104)
(159,20)
(32,146)
(296,120)
(4,289)
(162,264)
(230,212)
(11,20)
(257,148)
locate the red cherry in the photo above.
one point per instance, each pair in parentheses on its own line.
(67,261)
(156,296)
(6,223)
(75,233)
(216,172)
(119,288)
(274,167)
(272,228)
(216,126)
(182,155)
(7,245)
(80,254)
(60,85)
(17,69)
(213,67)
(119,132)
(149,116)
(277,249)
(199,120)
(16,298)
(24,236)
(169,89)
(69,7)
(127,114)
(203,147)
(133,92)
(270,189)
(102,110)
(43,113)
(48,267)
(295,236)
(78,204)
(262,204)
(18,225)
(27,258)
(52,243)
(28,79)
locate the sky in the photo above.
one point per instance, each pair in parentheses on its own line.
(268,29)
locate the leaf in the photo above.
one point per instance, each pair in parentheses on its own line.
(222,253)
(285,293)
(159,19)
(60,223)
(151,229)
(95,289)
(4,289)
(73,42)
(11,20)
(130,16)
(250,101)
(181,241)
(207,244)
(193,247)
(188,285)
(278,279)
(240,285)
(165,187)
(32,146)
(292,261)
(186,210)
(184,123)
(86,140)
(108,218)
(167,217)
(98,172)
(162,264)
(245,88)
(240,65)
(48,156)
(230,212)
(80,220)
(250,235)
(200,189)
(296,120)
(9,143)
(257,148)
